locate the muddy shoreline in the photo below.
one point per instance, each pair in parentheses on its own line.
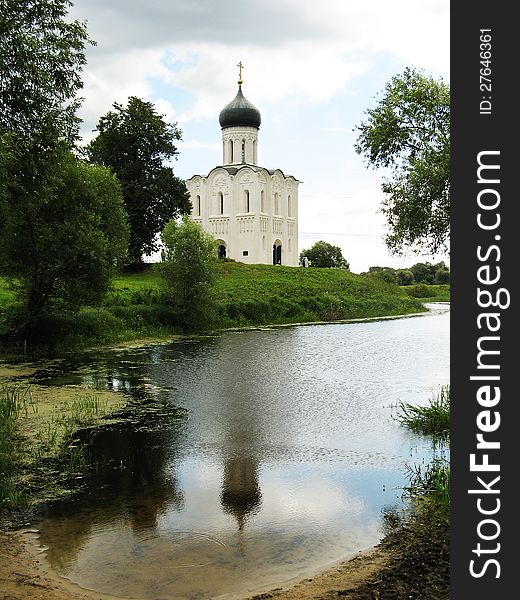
(24,575)
(412,562)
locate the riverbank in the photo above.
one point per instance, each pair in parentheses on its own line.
(245,295)
(342,582)
(411,562)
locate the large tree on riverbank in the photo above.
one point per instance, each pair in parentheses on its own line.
(42,55)
(135,141)
(409,132)
(63,249)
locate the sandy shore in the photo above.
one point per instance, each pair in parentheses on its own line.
(24,576)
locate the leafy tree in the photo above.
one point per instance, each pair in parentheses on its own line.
(135,141)
(442,276)
(384,273)
(40,76)
(42,57)
(65,246)
(404,277)
(189,270)
(423,272)
(323,254)
(409,132)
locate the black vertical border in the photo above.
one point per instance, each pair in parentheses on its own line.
(472,133)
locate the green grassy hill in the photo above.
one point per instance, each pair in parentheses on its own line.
(260,294)
(245,295)
(265,293)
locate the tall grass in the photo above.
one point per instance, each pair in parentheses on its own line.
(53,450)
(433,419)
(55,437)
(430,482)
(13,402)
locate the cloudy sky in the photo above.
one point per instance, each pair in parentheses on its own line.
(312,68)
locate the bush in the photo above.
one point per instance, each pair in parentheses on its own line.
(404,277)
(419,290)
(189,272)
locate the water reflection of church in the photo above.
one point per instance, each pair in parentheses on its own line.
(241,495)
(251,211)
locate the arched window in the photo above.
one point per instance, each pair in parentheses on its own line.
(289,206)
(221,203)
(262,201)
(243,151)
(247,201)
(255,159)
(197,206)
(230,151)
(276,204)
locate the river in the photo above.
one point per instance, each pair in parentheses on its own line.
(282,458)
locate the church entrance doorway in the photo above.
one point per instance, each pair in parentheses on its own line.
(277,253)
(221,249)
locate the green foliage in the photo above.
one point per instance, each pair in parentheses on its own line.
(42,57)
(244,295)
(409,132)
(325,255)
(404,277)
(261,294)
(64,245)
(432,293)
(442,276)
(425,273)
(135,141)
(433,419)
(384,273)
(189,270)
(6,294)
(12,404)
(432,481)
(419,290)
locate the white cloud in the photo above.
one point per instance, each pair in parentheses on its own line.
(300,57)
(198,145)
(289,47)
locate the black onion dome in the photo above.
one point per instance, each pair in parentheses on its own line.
(240,113)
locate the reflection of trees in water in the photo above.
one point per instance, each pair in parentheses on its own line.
(133,469)
(133,482)
(234,410)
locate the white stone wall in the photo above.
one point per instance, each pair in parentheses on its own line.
(231,210)
(239,145)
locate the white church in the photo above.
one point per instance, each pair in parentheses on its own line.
(250,210)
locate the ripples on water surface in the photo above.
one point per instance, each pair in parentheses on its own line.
(282,459)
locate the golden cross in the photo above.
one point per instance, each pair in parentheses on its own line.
(240,65)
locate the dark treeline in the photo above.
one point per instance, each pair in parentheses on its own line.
(426,273)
